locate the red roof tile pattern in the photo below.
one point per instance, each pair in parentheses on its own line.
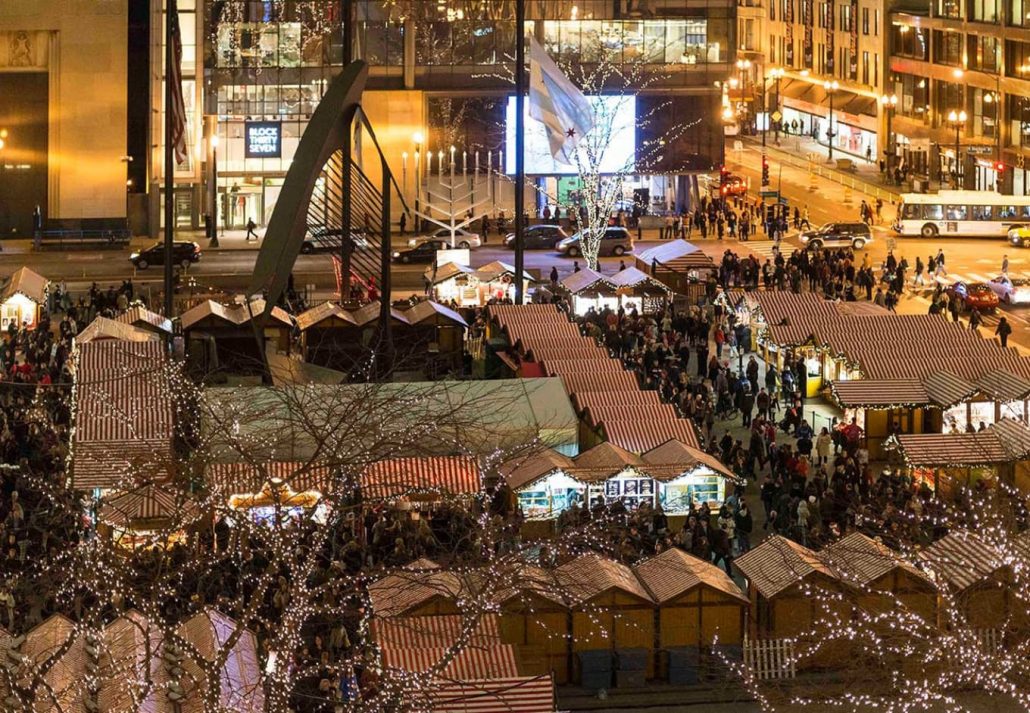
(501,695)
(778,564)
(591,575)
(455,475)
(874,393)
(962,559)
(640,436)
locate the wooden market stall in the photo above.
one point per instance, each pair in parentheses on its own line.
(535,618)
(977,575)
(590,290)
(698,604)
(418,589)
(142,318)
(611,609)
(882,579)
(778,572)
(232,338)
(21,299)
(137,517)
(676,264)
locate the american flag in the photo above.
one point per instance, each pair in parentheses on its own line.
(174,75)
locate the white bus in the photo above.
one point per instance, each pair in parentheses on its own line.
(961,213)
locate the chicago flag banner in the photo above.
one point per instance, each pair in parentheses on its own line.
(558,104)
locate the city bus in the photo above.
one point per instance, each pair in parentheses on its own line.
(976,214)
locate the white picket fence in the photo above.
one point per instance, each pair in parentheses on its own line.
(990,639)
(770,659)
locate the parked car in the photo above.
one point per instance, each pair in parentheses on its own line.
(838,235)
(974,294)
(1011,291)
(423,252)
(538,237)
(615,241)
(183,253)
(1020,236)
(462,238)
(320,240)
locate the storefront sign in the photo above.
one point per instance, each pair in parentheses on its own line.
(264,139)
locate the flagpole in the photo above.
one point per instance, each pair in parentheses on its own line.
(169,161)
(520,146)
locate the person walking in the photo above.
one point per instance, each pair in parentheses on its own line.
(403,223)
(1005,265)
(251,227)
(917,277)
(1003,330)
(941,269)
(975,319)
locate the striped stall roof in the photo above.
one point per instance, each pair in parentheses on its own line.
(586,279)
(107,465)
(241,478)
(142,317)
(603,461)
(125,664)
(597,399)
(514,314)
(421,643)
(579,352)
(236,314)
(1004,385)
(590,575)
(945,389)
(917,346)
(542,331)
(104,328)
(500,695)
(241,690)
(640,436)
(675,254)
(527,468)
(632,412)
(454,475)
(869,393)
(673,458)
(438,630)
(962,559)
(468,663)
(609,381)
(791,318)
(778,564)
(632,277)
(557,367)
(142,507)
(861,560)
(673,573)
(1014,436)
(952,449)
(322,312)
(411,586)
(25,281)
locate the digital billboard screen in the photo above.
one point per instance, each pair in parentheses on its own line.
(614,126)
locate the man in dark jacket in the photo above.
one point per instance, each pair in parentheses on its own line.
(744,525)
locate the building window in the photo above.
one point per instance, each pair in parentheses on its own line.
(1019,121)
(876,70)
(1020,13)
(845,18)
(985,113)
(914,96)
(772,11)
(865,68)
(865,21)
(950,97)
(949,8)
(911,42)
(984,10)
(876,23)
(1017,60)
(983,53)
(947,48)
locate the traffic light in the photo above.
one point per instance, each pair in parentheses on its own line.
(765,171)
(999,167)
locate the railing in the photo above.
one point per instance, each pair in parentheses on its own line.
(813,166)
(113,238)
(770,659)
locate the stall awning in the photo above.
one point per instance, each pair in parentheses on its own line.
(862,560)
(25,282)
(142,317)
(879,394)
(778,564)
(943,450)
(962,559)
(676,255)
(586,279)
(233,314)
(591,575)
(502,695)
(147,504)
(453,475)
(419,643)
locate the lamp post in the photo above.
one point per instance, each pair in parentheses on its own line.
(214,190)
(743,65)
(996,100)
(889,102)
(6,225)
(777,75)
(830,88)
(957,119)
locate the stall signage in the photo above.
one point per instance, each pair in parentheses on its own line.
(264,139)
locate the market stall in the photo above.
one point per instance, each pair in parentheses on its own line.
(535,619)
(676,264)
(637,290)
(273,489)
(590,290)
(454,283)
(977,575)
(611,609)
(21,299)
(137,517)
(698,604)
(233,337)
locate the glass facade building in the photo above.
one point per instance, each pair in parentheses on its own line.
(271,61)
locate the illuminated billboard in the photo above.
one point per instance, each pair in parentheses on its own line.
(614,127)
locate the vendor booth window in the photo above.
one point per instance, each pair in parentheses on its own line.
(981,412)
(1014,409)
(678,496)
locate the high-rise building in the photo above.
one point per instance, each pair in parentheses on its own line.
(440,71)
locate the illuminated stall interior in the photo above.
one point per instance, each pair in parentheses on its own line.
(469,287)
(672,475)
(944,462)
(270,490)
(151,515)
(628,289)
(21,298)
(676,264)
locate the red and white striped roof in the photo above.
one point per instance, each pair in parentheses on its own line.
(143,506)
(778,564)
(453,475)
(962,559)
(643,435)
(501,695)
(421,643)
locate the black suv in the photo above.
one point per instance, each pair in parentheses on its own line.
(328,240)
(424,252)
(838,235)
(538,237)
(183,253)
(615,241)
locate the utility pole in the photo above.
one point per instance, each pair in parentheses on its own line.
(169,164)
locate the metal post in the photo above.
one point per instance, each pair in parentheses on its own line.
(890,146)
(776,108)
(346,245)
(384,268)
(520,146)
(829,131)
(348,31)
(169,168)
(214,190)
(957,167)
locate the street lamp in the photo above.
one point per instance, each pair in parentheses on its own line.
(777,74)
(214,190)
(957,119)
(830,88)
(890,103)
(3,184)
